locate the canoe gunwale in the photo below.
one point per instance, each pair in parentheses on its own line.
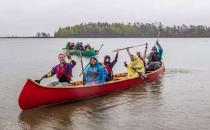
(84,53)
(99,85)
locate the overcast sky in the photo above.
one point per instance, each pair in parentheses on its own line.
(26,17)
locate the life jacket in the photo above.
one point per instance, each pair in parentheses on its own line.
(108,68)
(154,57)
(62,75)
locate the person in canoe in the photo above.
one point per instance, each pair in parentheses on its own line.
(95,73)
(87,47)
(110,64)
(144,56)
(79,46)
(154,58)
(140,57)
(70,46)
(136,67)
(63,71)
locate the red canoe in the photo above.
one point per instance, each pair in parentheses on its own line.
(35,95)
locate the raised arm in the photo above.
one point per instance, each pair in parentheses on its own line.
(160,50)
(115,59)
(128,52)
(71,60)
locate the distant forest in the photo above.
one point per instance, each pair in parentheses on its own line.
(131,30)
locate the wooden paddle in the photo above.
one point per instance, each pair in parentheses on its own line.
(158,36)
(82,67)
(145,52)
(129,47)
(99,49)
(38,81)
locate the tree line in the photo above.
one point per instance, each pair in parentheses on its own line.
(131,30)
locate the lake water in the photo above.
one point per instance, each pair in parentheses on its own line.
(178,100)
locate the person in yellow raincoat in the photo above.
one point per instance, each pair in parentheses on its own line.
(136,67)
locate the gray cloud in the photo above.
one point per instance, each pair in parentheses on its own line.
(26,17)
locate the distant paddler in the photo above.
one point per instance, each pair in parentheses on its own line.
(63,71)
(70,46)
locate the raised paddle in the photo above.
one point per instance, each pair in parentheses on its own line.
(99,49)
(82,67)
(145,52)
(129,47)
(38,81)
(88,63)
(158,36)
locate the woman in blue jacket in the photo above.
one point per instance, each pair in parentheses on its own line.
(95,73)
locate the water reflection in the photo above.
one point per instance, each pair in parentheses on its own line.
(94,113)
(179,102)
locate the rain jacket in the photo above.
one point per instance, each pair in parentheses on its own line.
(135,67)
(95,74)
(64,73)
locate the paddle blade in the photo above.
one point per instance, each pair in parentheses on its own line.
(96,52)
(37,81)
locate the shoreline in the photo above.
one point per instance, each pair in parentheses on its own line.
(90,37)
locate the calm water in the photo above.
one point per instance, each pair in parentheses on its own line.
(178,100)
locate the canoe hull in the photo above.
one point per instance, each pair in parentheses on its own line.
(84,53)
(34,95)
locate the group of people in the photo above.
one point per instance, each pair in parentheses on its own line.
(99,73)
(138,65)
(95,73)
(78,46)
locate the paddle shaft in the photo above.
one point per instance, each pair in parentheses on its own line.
(157,37)
(99,49)
(145,52)
(82,67)
(129,47)
(158,34)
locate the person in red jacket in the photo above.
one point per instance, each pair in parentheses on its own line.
(109,65)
